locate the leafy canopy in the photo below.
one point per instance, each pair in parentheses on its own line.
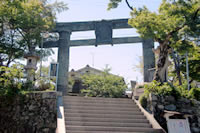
(179,20)
(105,85)
(21,25)
(176,24)
(113,4)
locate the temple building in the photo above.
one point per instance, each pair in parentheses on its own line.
(85,70)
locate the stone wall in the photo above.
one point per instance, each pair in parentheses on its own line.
(31,113)
(159,104)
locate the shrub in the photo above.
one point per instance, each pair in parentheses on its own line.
(105,85)
(143,100)
(167,89)
(140,86)
(195,93)
(182,91)
(158,89)
(10,80)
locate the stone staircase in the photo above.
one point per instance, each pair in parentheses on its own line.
(104,115)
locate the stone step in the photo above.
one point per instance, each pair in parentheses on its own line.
(100,101)
(100,107)
(71,131)
(77,103)
(103,128)
(134,111)
(97,99)
(107,124)
(126,116)
(118,120)
(104,115)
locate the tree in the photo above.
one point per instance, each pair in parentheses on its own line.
(115,3)
(107,69)
(194,65)
(175,26)
(21,25)
(105,85)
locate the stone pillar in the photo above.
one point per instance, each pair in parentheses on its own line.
(63,60)
(148,58)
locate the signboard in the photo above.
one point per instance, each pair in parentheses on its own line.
(53,70)
(178,126)
(103,32)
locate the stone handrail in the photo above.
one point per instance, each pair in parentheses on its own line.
(150,117)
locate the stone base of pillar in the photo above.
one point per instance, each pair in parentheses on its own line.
(63,89)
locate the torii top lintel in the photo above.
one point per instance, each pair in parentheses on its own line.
(103,31)
(90,25)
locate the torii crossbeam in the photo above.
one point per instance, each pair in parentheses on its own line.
(104,32)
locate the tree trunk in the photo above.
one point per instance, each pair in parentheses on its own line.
(162,63)
(177,67)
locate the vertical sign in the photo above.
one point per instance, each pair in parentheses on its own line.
(103,32)
(53,72)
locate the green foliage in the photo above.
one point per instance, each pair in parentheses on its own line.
(158,89)
(195,93)
(113,4)
(176,25)
(143,100)
(105,85)
(167,89)
(194,64)
(182,90)
(10,80)
(178,17)
(140,86)
(22,22)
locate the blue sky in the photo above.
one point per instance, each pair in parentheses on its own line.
(121,58)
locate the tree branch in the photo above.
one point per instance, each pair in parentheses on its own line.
(169,35)
(196,13)
(22,35)
(129,5)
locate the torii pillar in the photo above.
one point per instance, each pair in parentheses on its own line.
(63,60)
(148,59)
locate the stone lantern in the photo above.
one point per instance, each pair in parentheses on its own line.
(31,65)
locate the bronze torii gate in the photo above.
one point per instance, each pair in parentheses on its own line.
(103,31)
